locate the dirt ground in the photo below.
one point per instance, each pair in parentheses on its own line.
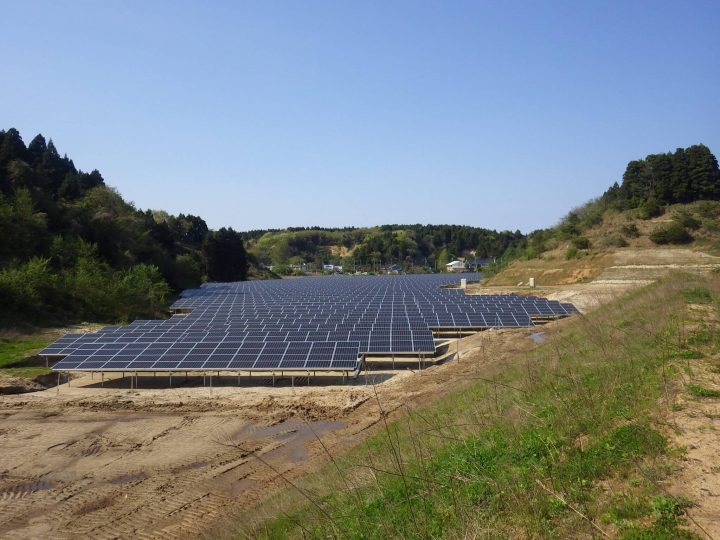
(97,459)
(94,461)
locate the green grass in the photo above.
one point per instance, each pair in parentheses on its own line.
(16,355)
(698,295)
(701,391)
(564,444)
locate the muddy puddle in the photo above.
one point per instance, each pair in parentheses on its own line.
(128,479)
(292,437)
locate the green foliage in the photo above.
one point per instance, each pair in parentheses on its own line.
(687,220)
(571,253)
(651,208)
(686,175)
(70,243)
(89,289)
(580,242)
(14,351)
(698,295)
(17,357)
(226,258)
(414,247)
(701,391)
(673,233)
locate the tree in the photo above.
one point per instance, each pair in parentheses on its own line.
(225,256)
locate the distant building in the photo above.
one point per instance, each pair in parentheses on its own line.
(333,268)
(476,263)
(455,266)
(393,269)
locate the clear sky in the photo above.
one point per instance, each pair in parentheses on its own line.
(273,114)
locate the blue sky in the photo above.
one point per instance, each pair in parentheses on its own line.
(272,114)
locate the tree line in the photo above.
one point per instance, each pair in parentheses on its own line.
(413,247)
(72,248)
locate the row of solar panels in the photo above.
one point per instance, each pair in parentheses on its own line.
(374,315)
(249,356)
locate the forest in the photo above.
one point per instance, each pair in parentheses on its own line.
(73,249)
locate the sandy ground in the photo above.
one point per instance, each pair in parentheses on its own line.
(96,460)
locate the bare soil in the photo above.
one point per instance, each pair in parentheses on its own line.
(85,460)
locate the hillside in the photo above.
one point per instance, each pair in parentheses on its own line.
(414,248)
(669,201)
(73,249)
(621,243)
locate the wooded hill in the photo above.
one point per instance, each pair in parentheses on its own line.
(648,185)
(72,248)
(413,247)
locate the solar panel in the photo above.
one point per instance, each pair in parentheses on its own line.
(304,323)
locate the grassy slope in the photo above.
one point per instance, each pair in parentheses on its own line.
(571,440)
(16,357)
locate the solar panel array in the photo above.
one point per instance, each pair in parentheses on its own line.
(298,324)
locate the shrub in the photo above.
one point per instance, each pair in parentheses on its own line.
(674,233)
(630,230)
(571,253)
(651,208)
(687,220)
(617,241)
(708,209)
(581,242)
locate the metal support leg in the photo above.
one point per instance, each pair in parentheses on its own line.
(102,379)
(171,379)
(273,378)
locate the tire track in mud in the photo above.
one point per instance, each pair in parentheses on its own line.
(177,501)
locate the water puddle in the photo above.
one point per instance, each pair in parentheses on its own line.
(127,479)
(40,485)
(538,337)
(292,436)
(198,465)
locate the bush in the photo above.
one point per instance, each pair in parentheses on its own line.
(708,209)
(630,230)
(651,208)
(571,253)
(687,220)
(581,242)
(674,233)
(617,241)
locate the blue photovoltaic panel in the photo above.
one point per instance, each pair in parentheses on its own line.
(304,323)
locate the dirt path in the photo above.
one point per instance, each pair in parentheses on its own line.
(98,462)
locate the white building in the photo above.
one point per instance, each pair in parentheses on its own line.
(455,266)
